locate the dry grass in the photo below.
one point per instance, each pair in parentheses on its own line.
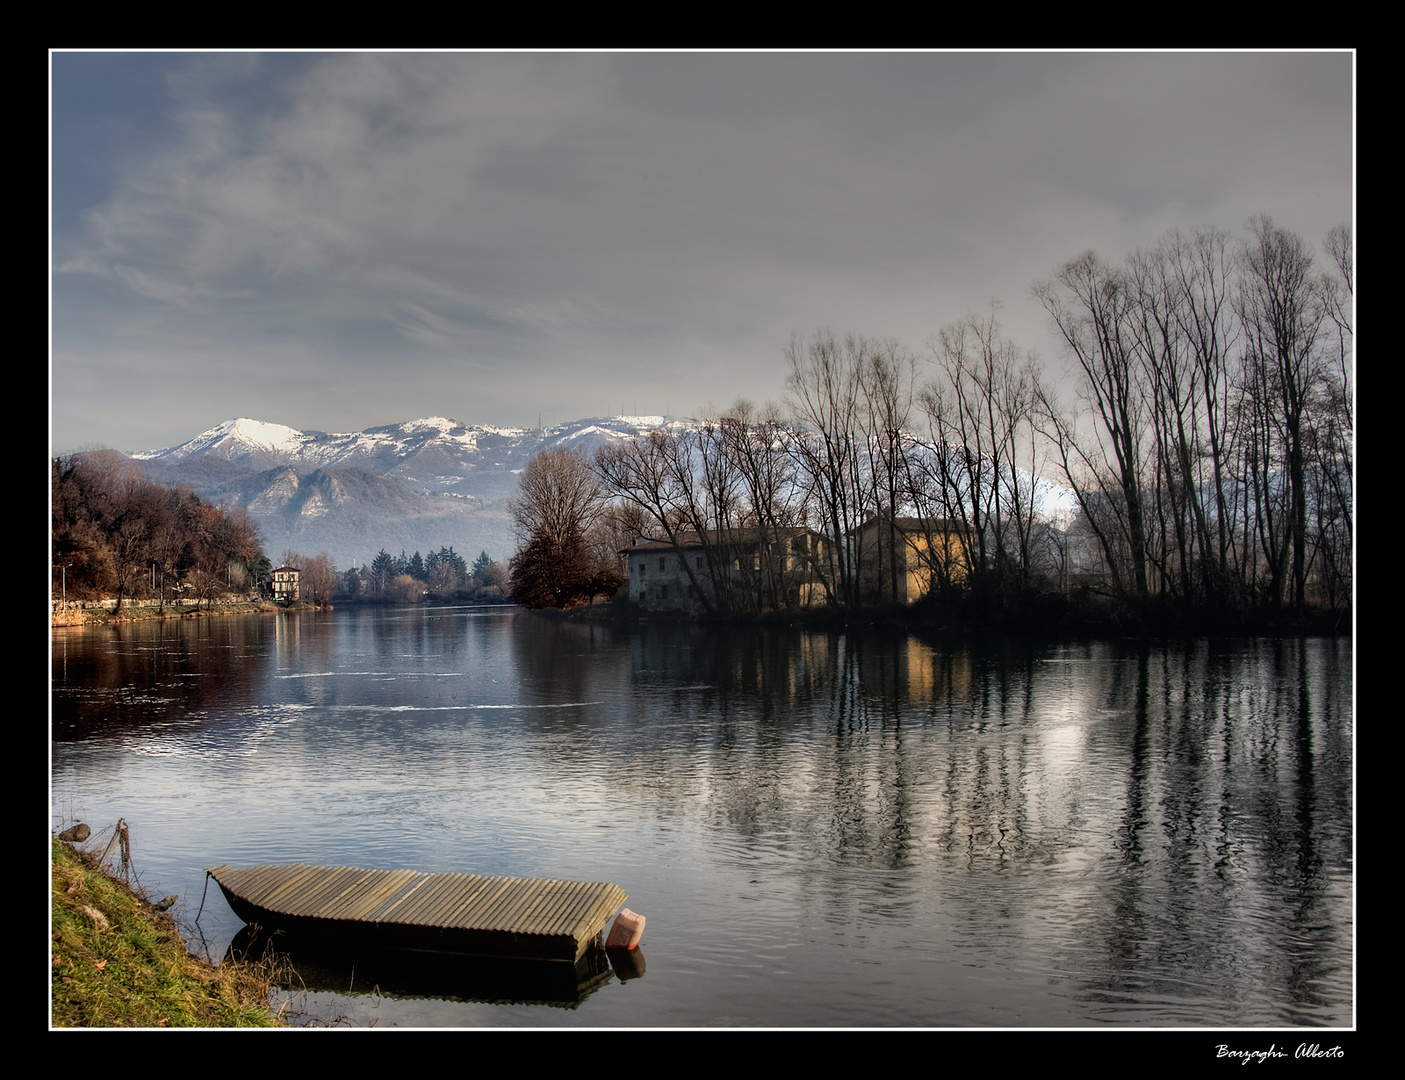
(116,962)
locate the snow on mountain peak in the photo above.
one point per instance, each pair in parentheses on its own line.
(438,423)
(264,435)
(236,438)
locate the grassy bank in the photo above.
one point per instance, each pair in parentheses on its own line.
(133,611)
(118,962)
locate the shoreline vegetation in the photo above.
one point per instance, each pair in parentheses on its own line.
(1192,471)
(1192,468)
(1041,617)
(119,961)
(1049,616)
(98,613)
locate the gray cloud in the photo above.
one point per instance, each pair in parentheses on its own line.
(373,237)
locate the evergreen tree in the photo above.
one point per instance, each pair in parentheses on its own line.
(382,572)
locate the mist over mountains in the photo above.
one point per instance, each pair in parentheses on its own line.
(414,486)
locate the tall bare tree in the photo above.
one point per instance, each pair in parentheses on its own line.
(1201,267)
(1334,430)
(887,380)
(979,405)
(1091,306)
(1283,303)
(555,512)
(824,393)
(758,442)
(558,494)
(657,473)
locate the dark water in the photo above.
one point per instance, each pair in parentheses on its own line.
(821,829)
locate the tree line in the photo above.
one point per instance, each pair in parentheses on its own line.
(1204,429)
(115,533)
(1211,445)
(441,575)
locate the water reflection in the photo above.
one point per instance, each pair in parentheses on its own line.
(312,965)
(822,828)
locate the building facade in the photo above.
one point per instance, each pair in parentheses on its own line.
(733,570)
(900,557)
(285,584)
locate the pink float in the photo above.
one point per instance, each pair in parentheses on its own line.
(626,931)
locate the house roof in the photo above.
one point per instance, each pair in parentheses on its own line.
(916,524)
(692,539)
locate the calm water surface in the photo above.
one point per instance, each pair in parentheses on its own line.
(822,829)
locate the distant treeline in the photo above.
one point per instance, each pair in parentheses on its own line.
(1205,431)
(115,533)
(441,575)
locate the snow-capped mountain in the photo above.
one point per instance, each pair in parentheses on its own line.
(417,486)
(433,440)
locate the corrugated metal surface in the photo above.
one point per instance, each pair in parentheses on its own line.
(454,902)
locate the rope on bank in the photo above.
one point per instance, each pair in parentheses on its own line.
(124,842)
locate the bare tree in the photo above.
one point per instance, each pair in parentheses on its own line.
(887,378)
(1201,268)
(1282,303)
(979,407)
(659,473)
(825,396)
(558,494)
(555,512)
(758,443)
(1169,373)
(319,579)
(1090,304)
(1331,429)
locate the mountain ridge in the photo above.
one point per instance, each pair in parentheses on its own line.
(416,485)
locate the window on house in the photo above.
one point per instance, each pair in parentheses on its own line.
(661,562)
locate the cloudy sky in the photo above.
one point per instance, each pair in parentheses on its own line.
(333,241)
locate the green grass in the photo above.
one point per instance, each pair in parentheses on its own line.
(136,971)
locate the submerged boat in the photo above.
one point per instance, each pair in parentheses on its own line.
(530,918)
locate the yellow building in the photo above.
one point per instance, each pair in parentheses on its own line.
(899,558)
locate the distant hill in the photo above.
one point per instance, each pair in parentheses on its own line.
(416,486)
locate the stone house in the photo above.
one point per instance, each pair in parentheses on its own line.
(740,570)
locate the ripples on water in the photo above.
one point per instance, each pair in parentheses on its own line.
(822,829)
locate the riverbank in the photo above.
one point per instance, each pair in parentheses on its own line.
(1037,616)
(118,962)
(101,613)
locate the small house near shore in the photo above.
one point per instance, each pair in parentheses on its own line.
(285,584)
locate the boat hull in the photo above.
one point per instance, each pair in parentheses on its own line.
(536,919)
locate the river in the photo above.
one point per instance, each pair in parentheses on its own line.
(856,829)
